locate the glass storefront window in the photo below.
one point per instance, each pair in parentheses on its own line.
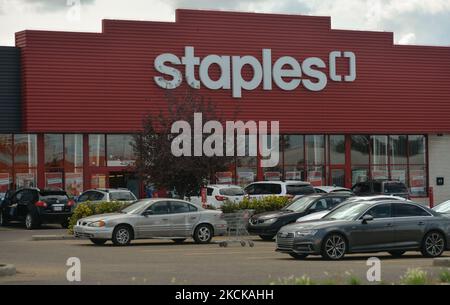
(98,181)
(5,151)
(417,180)
(25,178)
(380,172)
(54,150)
(120,150)
(316,175)
(97,150)
(398,147)
(315,149)
(360,149)
(399,172)
(379,149)
(246,166)
(416,148)
(294,157)
(337,149)
(25,150)
(73,151)
(359,174)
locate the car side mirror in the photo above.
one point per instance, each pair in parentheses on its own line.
(366,218)
(147,213)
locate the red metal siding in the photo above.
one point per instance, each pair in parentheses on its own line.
(103,82)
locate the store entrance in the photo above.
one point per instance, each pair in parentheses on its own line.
(124,180)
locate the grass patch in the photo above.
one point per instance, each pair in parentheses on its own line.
(414,276)
(444,276)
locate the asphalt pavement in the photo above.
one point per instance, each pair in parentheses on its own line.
(164,262)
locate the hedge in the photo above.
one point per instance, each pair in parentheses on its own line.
(265,204)
(87,209)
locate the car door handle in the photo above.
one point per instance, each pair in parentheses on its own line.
(389,225)
(193,217)
(165,219)
(421,223)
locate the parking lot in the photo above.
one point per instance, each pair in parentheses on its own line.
(164,262)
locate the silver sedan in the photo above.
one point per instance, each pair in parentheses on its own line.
(153,218)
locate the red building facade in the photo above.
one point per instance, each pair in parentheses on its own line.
(83,93)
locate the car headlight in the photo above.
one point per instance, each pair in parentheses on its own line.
(305,233)
(97,224)
(270,220)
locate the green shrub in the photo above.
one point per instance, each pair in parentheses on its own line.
(444,276)
(414,276)
(87,209)
(265,204)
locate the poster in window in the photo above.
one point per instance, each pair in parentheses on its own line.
(224,177)
(245,178)
(417,181)
(98,181)
(25,180)
(294,175)
(272,176)
(74,183)
(359,175)
(4,182)
(54,180)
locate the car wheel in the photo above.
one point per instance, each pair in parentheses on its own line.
(31,221)
(397,253)
(98,242)
(334,247)
(298,256)
(203,234)
(179,240)
(267,237)
(122,236)
(433,244)
(3,219)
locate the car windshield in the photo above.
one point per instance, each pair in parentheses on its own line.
(301,204)
(122,196)
(232,191)
(135,207)
(443,207)
(395,187)
(348,211)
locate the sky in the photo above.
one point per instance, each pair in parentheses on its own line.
(421,22)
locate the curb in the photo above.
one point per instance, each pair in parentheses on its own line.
(441,262)
(7,270)
(52,237)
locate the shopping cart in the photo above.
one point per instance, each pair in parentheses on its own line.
(237,228)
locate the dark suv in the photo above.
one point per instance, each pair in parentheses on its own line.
(381,187)
(36,207)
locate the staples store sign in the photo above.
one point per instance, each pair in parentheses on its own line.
(286,72)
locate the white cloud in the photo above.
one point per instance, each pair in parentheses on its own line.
(409,38)
(429,20)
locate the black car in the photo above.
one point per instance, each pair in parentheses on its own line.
(267,224)
(381,187)
(35,207)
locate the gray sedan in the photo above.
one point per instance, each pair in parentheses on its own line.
(153,218)
(368,226)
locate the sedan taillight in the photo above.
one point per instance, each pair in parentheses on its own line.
(220,198)
(40,204)
(71,203)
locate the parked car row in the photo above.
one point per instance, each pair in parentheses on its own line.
(34,206)
(217,194)
(365,226)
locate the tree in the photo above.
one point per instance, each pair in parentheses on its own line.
(155,162)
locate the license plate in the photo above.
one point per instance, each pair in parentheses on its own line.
(57,209)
